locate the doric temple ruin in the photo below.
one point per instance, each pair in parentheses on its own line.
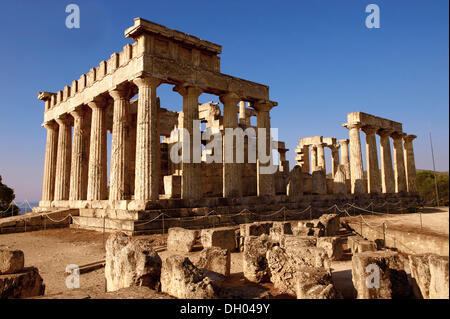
(120,96)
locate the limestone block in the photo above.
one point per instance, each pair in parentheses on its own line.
(24,284)
(254,229)
(331,224)
(379,275)
(339,182)
(308,255)
(314,283)
(282,270)
(131,262)
(319,182)
(11,261)
(181,279)
(302,241)
(254,261)
(439,288)
(215,259)
(360,245)
(172,186)
(279,229)
(333,246)
(303,228)
(223,237)
(181,240)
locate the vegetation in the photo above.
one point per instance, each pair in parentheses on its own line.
(427,189)
(7,208)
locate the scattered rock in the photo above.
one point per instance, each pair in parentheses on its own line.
(282,270)
(314,283)
(181,279)
(279,229)
(24,284)
(131,262)
(333,246)
(254,258)
(215,259)
(181,240)
(11,261)
(330,223)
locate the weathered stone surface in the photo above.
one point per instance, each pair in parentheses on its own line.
(25,284)
(333,246)
(360,245)
(11,261)
(339,182)
(314,283)
(420,274)
(132,293)
(282,270)
(181,279)
(295,184)
(131,262)
(279,229)
(254,258)
(309,256)
(439,287)
(223,237)
(319,182)
(303,241)
(331,224)
(215,259)
(253,229)
(181,240)
(303,228)
(379,275)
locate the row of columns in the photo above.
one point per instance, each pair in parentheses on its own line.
(398,178)
(77,170)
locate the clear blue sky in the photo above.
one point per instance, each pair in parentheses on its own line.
(318,58)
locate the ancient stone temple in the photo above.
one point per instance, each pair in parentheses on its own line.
(120,97)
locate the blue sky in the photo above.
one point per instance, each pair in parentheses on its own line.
(318,58)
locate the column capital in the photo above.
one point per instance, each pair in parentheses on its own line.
(50,125)
(121,92)
(384,132)
(369,129)
(397,135)
(230,97)
(79,111)
(264,105)
(188,90)
(350,126)
(409,138)
(343,142)
(98,102)
(64,119)
(147,81)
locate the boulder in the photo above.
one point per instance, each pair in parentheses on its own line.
(254,261)
(379,275)
(314,283)
(181,279)
(430,276)
(24,284)
(181,240)
(333,246)
(279,229)
(215,259)
(282,270)
(131,262)
(330,223)
(223,237)
(11,261)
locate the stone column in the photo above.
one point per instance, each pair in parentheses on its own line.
(48,187)
(146,183)
(62,180)
(399,164)
(387,173)
(265,182)
(356,163)
(80,154)
(321,157)
(119,185)
(232,184)
(345,158)
(410,164)
(97,176)
(334,159)
(305,159)
(242,113)
(313,149)
(373,171)
(191,187)
(132,154)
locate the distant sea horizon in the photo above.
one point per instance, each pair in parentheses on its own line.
(24,207)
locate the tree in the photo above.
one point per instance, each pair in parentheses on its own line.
(7,208)
(426,186)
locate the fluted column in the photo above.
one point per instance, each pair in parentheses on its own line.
(265,182)
(345,158)
(242,113)
(80,154)
(62,182)
(410,165)
(119,185)
(313,150)
(356,163)
(191,187)
(146,183)
(387,173)
(48,184)
(97,176)
(132,153)
(334,159)
(399,164)
(232,185)
(305,159)
(373,171)
(321,156)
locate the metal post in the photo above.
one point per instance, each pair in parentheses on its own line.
(384,234)
(434,171)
